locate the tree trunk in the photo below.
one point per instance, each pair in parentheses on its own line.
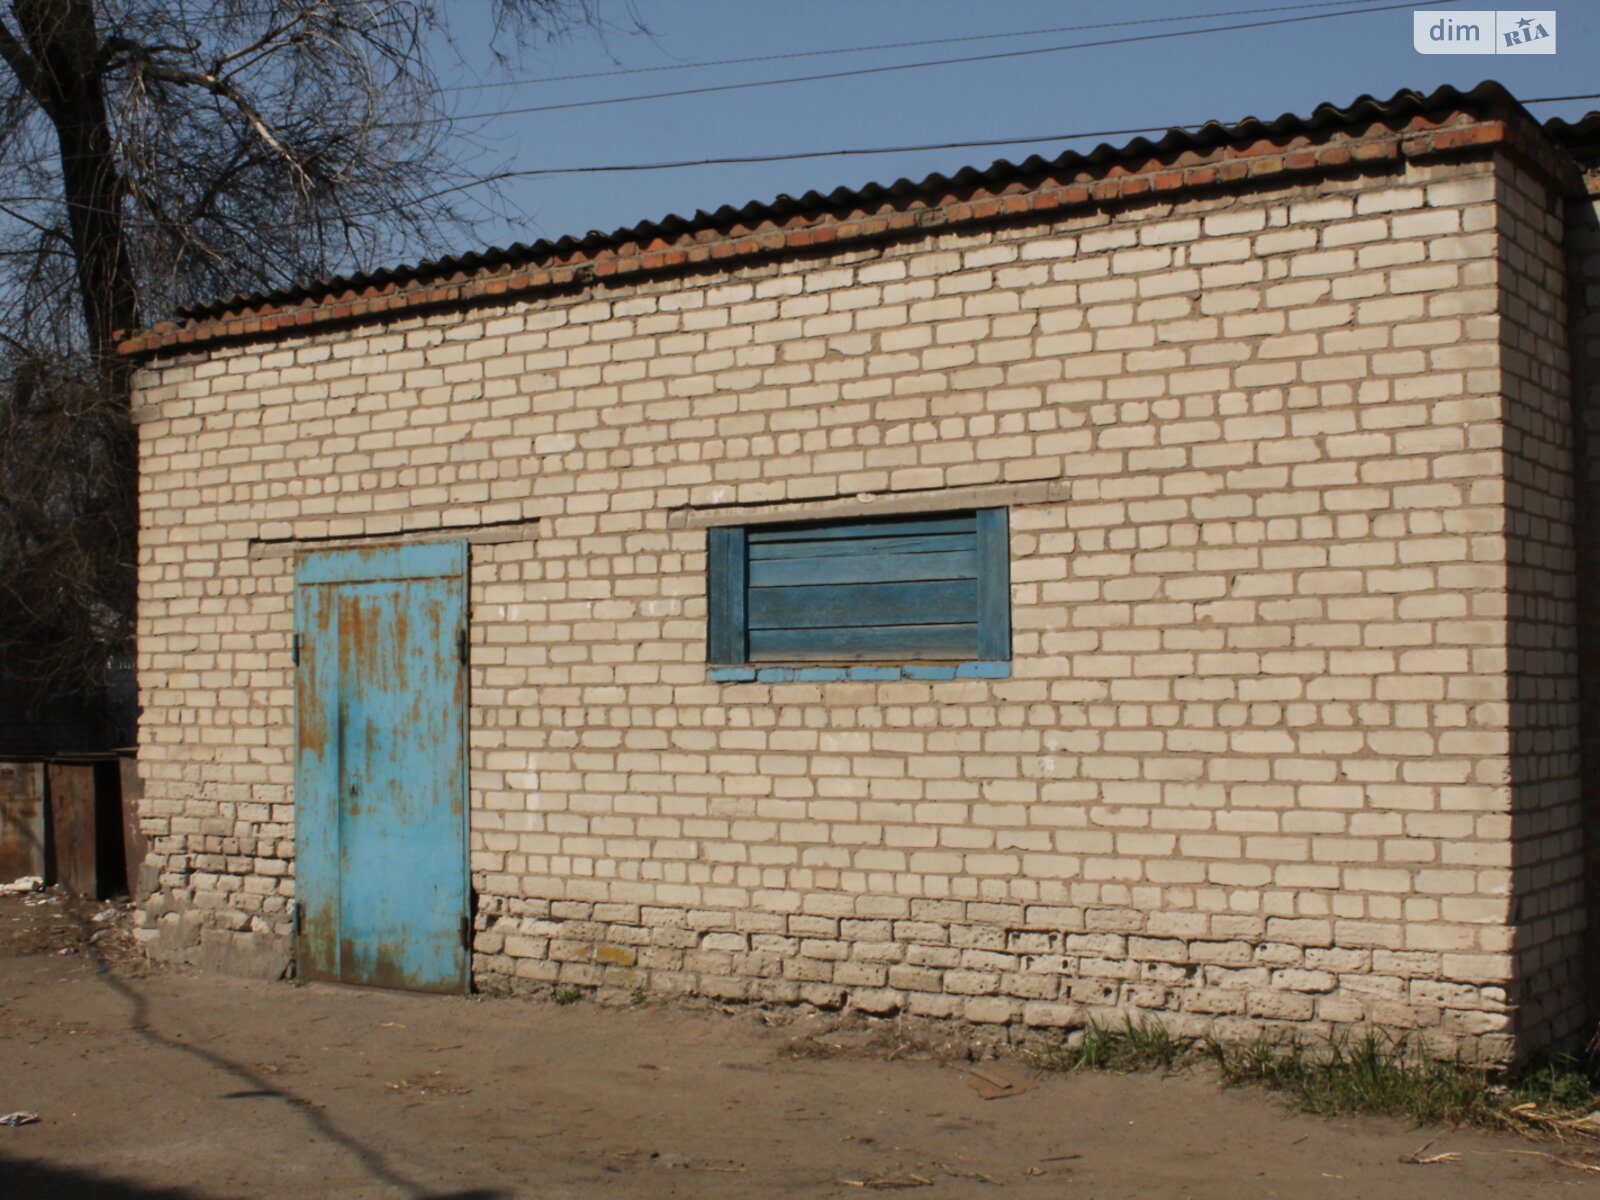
(64,44)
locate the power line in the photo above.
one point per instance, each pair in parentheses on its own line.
(870,150)
(1550,99)
(1553,99)
(980,37)
(863,150)
(502,176)
(736,160)
(943,62)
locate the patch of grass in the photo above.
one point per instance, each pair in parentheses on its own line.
(1557,1096)
(566,995)
(1558,1084)
(1141,1046)
(1369,1075)
(1366,1075)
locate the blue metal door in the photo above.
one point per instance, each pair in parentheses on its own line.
(380,766)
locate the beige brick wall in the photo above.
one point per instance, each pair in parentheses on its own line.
(1547,836)
(1289,738)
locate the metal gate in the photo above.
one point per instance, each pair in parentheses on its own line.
(380,766)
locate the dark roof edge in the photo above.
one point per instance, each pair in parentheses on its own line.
(1488,99)
(1581,140)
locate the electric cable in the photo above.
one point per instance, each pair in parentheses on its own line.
(978,37)
(943,62)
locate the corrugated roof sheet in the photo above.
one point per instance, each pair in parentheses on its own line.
(1489,96)
(1580,139)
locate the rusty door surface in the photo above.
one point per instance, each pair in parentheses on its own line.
(22,821)
(73,827)
(380,766)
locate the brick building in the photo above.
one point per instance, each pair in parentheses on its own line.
(1137,583)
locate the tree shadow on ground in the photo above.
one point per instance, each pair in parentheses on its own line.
(27,1179)
(30,1180)
(255,1086)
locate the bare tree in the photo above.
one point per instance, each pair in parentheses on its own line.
(155,153)
(67,537)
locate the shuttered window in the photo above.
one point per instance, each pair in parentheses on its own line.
(900,589)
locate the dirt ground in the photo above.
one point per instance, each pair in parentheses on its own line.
(160,1083)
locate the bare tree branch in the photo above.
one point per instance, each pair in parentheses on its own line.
(225,88)
(155,153)
(22,65)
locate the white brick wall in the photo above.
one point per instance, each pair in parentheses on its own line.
(1289,739)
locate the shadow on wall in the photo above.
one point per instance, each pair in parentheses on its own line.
(1583,332)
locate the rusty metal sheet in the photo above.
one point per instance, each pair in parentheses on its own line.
(135,846)
(74,835)
(22,821)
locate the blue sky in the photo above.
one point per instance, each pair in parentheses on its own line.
(1224,75)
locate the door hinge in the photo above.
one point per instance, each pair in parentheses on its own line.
(299,918)
(463,652)
(466,933)
(294,649)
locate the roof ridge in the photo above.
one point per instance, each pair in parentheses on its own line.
(1489,96)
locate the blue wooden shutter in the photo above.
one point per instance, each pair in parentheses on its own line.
(901,589)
